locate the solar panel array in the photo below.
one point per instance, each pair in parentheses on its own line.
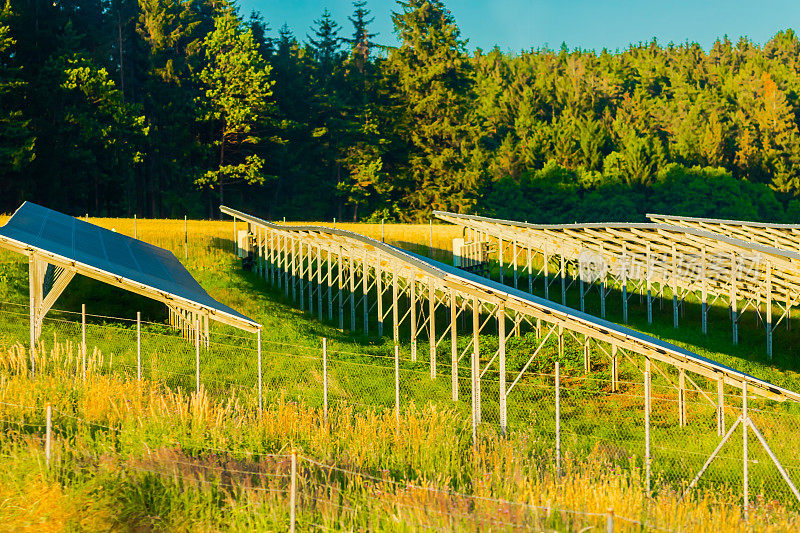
(137,261)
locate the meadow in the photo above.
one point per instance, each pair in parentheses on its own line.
(153,426)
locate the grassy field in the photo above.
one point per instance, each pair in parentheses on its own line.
(136,456)
(602,432)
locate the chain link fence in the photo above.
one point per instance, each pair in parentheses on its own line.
(291,491)
(595,417)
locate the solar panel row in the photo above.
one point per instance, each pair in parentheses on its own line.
(46,230)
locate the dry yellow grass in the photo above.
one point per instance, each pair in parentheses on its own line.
(427,451)
(37,504)
(169,233)
(146,417)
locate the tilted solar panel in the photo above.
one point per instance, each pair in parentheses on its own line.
(75,240)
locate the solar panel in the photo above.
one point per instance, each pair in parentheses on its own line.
(75,240)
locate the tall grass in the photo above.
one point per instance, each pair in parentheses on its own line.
(602,432)
(137,455)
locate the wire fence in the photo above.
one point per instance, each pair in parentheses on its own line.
(590,418)
(308,493)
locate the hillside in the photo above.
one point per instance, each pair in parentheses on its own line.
(153,429)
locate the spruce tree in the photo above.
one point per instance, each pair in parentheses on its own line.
(360,19)
(171,34)
(16,137)
(365,187)
(433,83)
(325,45)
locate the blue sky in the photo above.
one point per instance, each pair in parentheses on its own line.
(590,24)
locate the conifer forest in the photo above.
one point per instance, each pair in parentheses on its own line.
(165,108)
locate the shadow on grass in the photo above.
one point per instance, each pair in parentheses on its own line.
(100,298)
(752,335)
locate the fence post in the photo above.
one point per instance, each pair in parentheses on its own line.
(325,378)
(474,370)
(476,378)
(745,470)
(185,239)
(558,418)
(197,355)
(430,247)
(720,407)
(647,425)
(293,493)
(260,375)
(501,337)
(83,340)
(33,291)
(48,435)
(397,385)
(135,234)
(454,345)
(139,345)
(610,521)
(587,361)
(383,235)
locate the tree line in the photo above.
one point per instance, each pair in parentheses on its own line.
(170,107)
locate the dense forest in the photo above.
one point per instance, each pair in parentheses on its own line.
(170,107)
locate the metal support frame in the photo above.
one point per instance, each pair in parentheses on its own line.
(677,255)
(460,295)
(411,283)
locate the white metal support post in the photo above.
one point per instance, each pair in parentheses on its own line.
(432,325)
(412,285)
(501,338)
(260,373)
(325,379)
(83,340)
(647,457)
(454,344)
(197,355)
(476,382)
(138,348)
(558,418)
(745,460)
(397,386)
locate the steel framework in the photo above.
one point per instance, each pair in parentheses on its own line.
(52,264)
(784,236)
(654,259)
(323,269)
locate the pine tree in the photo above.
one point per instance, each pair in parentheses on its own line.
(96,137)
(16,138)
(290,85)
(360,19)
(433,83)
(329,118)
(780,137)
(325,45)
(171,34)
(365,186)
(259,29)
(236,98)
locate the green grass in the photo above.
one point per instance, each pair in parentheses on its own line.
(130,456)
(595,422)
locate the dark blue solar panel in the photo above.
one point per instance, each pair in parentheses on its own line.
(137,261)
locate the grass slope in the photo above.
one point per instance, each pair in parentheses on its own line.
(595,423)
